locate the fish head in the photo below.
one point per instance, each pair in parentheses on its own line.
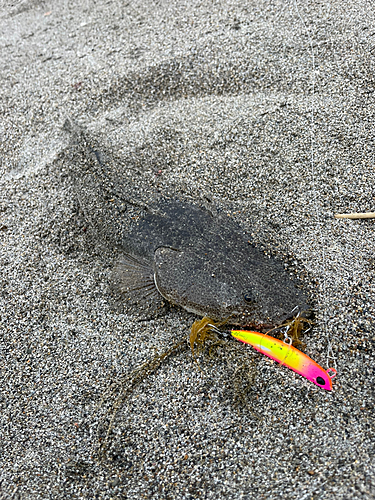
(244,288)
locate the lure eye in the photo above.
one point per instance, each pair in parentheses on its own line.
(249,297)
(320,380)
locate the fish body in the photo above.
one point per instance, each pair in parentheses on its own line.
(287,355)
(176,249)
(206,265)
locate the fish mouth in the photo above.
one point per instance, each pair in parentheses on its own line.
(233,318)
(296,311)
(267,323)
(240,318)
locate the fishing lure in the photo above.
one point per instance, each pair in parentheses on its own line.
(285,354)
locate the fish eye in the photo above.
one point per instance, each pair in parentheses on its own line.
(249,297)
(320,380)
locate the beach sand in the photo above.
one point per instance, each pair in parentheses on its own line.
(267,109)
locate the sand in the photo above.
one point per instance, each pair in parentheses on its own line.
(267,109)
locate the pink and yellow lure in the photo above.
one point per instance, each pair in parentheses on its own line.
(287,355)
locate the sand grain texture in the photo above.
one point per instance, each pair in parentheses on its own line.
(221,100)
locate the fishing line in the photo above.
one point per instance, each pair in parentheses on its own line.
(330,354)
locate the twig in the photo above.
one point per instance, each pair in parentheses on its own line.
(368,215)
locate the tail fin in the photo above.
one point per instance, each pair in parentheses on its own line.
(101,185)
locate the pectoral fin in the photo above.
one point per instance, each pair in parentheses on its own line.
(133,278)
